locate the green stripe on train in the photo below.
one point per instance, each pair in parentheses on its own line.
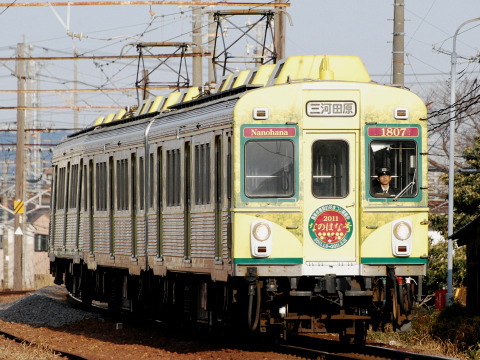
(275,261)
(401,261)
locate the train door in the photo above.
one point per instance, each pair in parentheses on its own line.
(218,198)
(187,194)
(111,204)
(79,205)
(91,178)
(133,191)
(331,186)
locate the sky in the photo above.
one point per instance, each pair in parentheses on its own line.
(341,27)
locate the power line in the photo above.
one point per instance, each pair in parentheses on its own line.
(58,107)
(162,2)
(108,57)
(88,90)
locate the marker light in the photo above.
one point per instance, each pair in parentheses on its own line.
(402,237)
(261,231)
(400,113)
(261,238)
(402,230)
(260,113)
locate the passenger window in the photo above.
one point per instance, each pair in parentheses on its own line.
(330,169)
(393,167)
(202,174)
(269,168)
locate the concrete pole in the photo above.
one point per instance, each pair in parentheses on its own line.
(75,92)
(19,169)
(6,250)
(279,31)
(197,48)
(398,43)
(212,33)
(451,163)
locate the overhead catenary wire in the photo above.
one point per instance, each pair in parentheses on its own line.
(151,2)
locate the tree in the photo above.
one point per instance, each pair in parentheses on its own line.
(437,267)
(467,207)
(467,121)
(466,191)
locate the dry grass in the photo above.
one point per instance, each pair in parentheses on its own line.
(12,350)
(449,333)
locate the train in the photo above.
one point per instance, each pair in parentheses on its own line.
(251,204)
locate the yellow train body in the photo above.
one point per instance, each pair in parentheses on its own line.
(268,188)
(368,250)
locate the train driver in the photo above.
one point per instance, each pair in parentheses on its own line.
(381,185)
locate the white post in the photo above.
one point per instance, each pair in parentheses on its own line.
(451,170)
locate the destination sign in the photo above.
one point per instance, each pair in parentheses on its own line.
(391,131)
(331,108)
(251,132)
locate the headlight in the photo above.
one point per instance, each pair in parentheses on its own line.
(402,230)
(261,231)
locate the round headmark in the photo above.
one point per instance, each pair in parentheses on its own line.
(330,226)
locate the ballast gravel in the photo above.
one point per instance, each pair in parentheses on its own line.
(44,307)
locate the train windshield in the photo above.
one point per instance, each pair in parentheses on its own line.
(269,168)
(330,169)
(393,168)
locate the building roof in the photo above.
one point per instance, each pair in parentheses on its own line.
(467,233)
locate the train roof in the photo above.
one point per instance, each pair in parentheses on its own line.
(292,69)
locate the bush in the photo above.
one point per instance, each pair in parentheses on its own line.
(453,324)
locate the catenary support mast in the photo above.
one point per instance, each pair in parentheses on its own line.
(19,170)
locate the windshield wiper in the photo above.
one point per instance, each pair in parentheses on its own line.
(404,190)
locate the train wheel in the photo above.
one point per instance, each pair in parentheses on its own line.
(401,309)
(360,337)
(344,337)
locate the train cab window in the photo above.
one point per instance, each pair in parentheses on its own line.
(330,169)
(398,160)
(269,168)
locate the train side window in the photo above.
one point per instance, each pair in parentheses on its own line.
(269,168)
(73,189)
(330,177)
(122,184)
(399,158)
(61,189)
(202,174)
(173,177)
(101,186)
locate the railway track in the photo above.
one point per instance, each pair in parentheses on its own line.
(61,353)
(315,348)
(302,347)
(14,292)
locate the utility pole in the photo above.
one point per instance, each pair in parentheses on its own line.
(211,47)
(451,161)
(19,170)
(75,87)
(6,263)
(197,47)
(398,43)
(279,30)
(145,80)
